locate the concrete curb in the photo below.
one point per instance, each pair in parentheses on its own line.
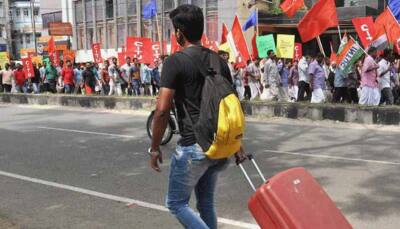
(335,112)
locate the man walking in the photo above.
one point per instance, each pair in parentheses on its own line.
(317,79)
(304,80)
(8,75)
(370,94)
(181,81)
(68,77)
(340,86)
(384,72)
(272,79)
(51,74)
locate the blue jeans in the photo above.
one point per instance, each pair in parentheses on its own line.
(136,87)
(68,88)
(192,170)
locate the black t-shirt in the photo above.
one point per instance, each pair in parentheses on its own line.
(180,73)
(88,77)
(36,78)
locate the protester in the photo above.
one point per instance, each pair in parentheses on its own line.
(304,80)
(78,79)
(115,78)
(317,79)
(272,79)
(385,78)
(294,81)
(7,75)
(89,79)
(51,77)
(155,79)
(20,78)
(340,86)
(136,81)
(36,79)
(126,72)
(147,79)
(105,77)
(68,77)
(370,94)
(284,86)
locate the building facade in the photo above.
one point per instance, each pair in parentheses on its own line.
(25,18)
(109,22)
(5,42)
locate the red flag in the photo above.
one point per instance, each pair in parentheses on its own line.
(333,54)
(321,17)
(28,67)
(156,49)
(240,42)
(254,46)
(56,56)
(51,47)
(290,7)
(365,29)
(225,32)
(140,48)
(385,22)
(69,55)
(121,58)
(298,51)
(96,50)
(175,47)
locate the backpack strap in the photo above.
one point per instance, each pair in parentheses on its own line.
(213,66)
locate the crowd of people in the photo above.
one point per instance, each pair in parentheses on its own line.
(373,80)
(107,78)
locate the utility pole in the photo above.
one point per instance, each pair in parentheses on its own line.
(33,24)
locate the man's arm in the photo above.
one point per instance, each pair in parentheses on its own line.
(160,121)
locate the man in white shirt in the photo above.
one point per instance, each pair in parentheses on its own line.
(384,73)
(272,79)
(304,79)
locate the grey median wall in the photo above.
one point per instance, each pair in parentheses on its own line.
(335,112)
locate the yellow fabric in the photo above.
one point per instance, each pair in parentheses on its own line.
(230,130)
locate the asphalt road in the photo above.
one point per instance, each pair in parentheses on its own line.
(87,169)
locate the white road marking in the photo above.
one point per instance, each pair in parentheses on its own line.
(332,157)
(125,200)
(269,151)
(86,132)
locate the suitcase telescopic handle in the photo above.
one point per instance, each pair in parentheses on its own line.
(251,158)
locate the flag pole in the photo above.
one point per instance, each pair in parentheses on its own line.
(257,29)
(247,47)
(320,45)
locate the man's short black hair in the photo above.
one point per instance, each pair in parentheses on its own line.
(387,52)
(189,20)
(269,52)
(222,52)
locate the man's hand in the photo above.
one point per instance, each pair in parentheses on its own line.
(155,159)
(240,156)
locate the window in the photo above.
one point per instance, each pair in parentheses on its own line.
(26,12)
(36,11)
(109,9)
(78,12)
(17,12)
(28,38)
(99,10)
(121,9)
(132,7)
(88,10)
(21,39)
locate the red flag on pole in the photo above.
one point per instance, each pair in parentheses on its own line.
(365,29)
(28,67)
(96,50)
(240,42)
(290,7)
(321,17)
(51,48)
(386,22)
(254,46)
(225,32)
(298,51)
(140,48)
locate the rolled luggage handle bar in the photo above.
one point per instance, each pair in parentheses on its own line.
(251,158)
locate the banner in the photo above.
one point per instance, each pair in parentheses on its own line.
(96,50)
(3,59)
(56,58)
(298,51)
(365,29)
(265,43)
(349,55)
(140,48)
(227,48)
(285,46)
(28,67)
(121,58)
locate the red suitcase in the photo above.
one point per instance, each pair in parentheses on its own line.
(293,199)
